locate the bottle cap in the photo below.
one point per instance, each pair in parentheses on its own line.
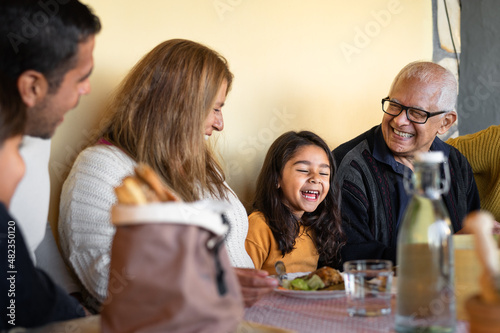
(430,157)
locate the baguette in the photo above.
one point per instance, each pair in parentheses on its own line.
(143,187)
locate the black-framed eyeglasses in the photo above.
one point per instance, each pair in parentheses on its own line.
(414,115)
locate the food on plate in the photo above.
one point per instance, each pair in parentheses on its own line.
(325,278)
(143,187)
(328,275)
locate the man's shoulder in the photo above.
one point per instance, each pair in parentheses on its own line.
(491,131)
(456,157)
(5,219)
(478,141)
(351,146)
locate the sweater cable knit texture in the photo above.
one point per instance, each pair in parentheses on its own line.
(482,151)
(86,232)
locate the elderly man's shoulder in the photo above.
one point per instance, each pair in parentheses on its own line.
(350,146)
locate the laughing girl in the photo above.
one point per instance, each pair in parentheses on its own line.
(296,216)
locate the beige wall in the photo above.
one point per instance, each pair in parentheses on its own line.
(320,65)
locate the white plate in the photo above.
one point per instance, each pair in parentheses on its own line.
(316,294)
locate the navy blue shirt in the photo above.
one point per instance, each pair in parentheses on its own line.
(28,297)
(383,154)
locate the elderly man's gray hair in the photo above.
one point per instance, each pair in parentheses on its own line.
(431,73)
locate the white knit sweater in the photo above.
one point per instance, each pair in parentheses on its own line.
(85,230)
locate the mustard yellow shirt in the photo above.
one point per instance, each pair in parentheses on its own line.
(482,150)
(263,248)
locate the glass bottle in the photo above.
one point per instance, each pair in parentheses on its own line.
(425,273)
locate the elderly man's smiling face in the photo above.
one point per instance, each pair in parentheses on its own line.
(405,138)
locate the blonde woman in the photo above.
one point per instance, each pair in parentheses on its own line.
(162,115)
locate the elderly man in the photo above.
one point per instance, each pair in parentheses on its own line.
(420,105)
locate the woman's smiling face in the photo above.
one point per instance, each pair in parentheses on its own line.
(215,120)
(305,180)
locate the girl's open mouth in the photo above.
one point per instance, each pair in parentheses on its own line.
(310,195)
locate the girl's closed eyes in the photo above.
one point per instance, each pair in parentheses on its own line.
(297,214)
(304,190)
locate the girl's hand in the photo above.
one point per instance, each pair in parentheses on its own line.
(254,284)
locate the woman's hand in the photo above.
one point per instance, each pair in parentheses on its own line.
(496,228)
(254,284)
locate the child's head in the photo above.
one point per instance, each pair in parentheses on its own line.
(298,172)
(12,124)
(297,183)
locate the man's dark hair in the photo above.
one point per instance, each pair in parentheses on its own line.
(12,111)
(43,35)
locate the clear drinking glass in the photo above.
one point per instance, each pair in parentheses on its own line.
(368,287)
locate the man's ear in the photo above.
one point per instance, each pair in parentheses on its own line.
(33,87)
(446,122)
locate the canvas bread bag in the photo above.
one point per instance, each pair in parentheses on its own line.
(176,274)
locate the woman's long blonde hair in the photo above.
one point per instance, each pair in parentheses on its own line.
(157,116)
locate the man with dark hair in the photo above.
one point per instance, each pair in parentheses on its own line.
(46,49)
(46,54)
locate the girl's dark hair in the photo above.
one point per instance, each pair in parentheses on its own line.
(12,111)
(324,222)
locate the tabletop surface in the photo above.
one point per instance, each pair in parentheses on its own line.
(319,315)
(285,314)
